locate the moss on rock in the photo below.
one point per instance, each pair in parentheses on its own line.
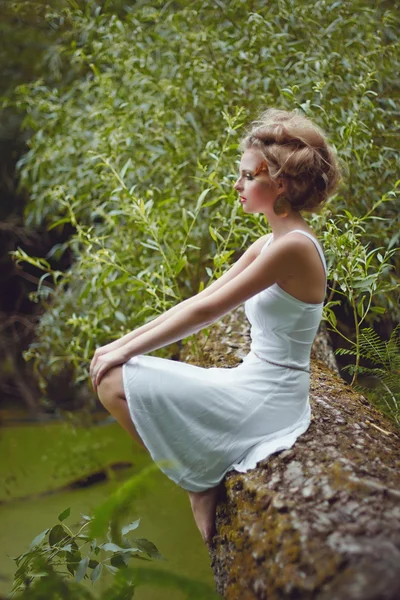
(321,520)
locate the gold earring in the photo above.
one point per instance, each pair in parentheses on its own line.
(281,206)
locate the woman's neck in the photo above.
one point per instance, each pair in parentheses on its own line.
(282,225)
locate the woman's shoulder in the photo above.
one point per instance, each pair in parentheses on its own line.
(300,240)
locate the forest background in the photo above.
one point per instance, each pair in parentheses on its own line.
(119,148)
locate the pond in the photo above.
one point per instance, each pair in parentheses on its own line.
(39,463)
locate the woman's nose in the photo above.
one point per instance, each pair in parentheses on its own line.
(237,184)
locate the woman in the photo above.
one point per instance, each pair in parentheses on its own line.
(200,423)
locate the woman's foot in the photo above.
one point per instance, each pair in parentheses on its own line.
(204,505)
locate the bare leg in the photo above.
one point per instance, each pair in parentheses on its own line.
(111,395)
(204,505)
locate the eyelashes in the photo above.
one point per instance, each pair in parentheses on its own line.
(248,176)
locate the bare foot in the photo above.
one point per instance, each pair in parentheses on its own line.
(203,507)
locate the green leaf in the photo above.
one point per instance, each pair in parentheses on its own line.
(38,539)
(180,264)
(212,233)
(365,283)
(73,559)
(120,316)
(124,169)
(201,198)
(111,547)
(64,515)
(119,561)
(67,548)
(111,568)
(130,527)
(59,222)
(86,517)
(82,568)
(93,563)
(149,548)
(211,202)
(96,572)
(57,535)
(361,308)
(380,310)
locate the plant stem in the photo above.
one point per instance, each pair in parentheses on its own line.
(357,342)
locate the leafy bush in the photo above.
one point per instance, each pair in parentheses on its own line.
(136,147)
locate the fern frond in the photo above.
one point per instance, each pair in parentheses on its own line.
(372,346)
(393,349)
(380,383)
(347,351)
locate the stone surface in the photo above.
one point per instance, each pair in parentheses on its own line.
(320,521)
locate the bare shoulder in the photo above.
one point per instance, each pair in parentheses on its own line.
(297,241)
(303,273)
(292,249)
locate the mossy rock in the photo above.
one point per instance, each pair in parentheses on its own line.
(320,521)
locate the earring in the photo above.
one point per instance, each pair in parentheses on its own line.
(281,206)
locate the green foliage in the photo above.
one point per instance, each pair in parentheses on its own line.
(358,274)
(136,149)
(60,559)
(27,35)
(381,382)
(59,551)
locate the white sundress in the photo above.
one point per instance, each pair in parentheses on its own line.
(199,423)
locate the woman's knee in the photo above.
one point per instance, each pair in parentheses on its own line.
(110,389)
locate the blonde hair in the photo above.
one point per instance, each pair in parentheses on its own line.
(297,151)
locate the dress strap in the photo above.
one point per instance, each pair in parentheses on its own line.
(267,243)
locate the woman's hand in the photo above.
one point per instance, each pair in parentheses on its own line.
(100,352)
(102,363)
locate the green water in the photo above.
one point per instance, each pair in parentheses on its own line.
(39,458)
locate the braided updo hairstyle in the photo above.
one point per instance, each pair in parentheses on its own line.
(297,151)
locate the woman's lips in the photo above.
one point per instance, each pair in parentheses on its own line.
(242,199)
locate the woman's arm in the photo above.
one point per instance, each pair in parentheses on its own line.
(282,260)
(244,261)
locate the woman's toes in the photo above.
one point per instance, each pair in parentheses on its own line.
(208,534)
(203,507)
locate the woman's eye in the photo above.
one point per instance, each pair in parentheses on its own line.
(249,176)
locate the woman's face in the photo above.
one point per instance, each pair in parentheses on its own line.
(257,191)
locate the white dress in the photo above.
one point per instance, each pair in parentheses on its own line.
(199,423)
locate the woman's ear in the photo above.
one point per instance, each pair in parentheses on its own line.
(281,189)
(281,185)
